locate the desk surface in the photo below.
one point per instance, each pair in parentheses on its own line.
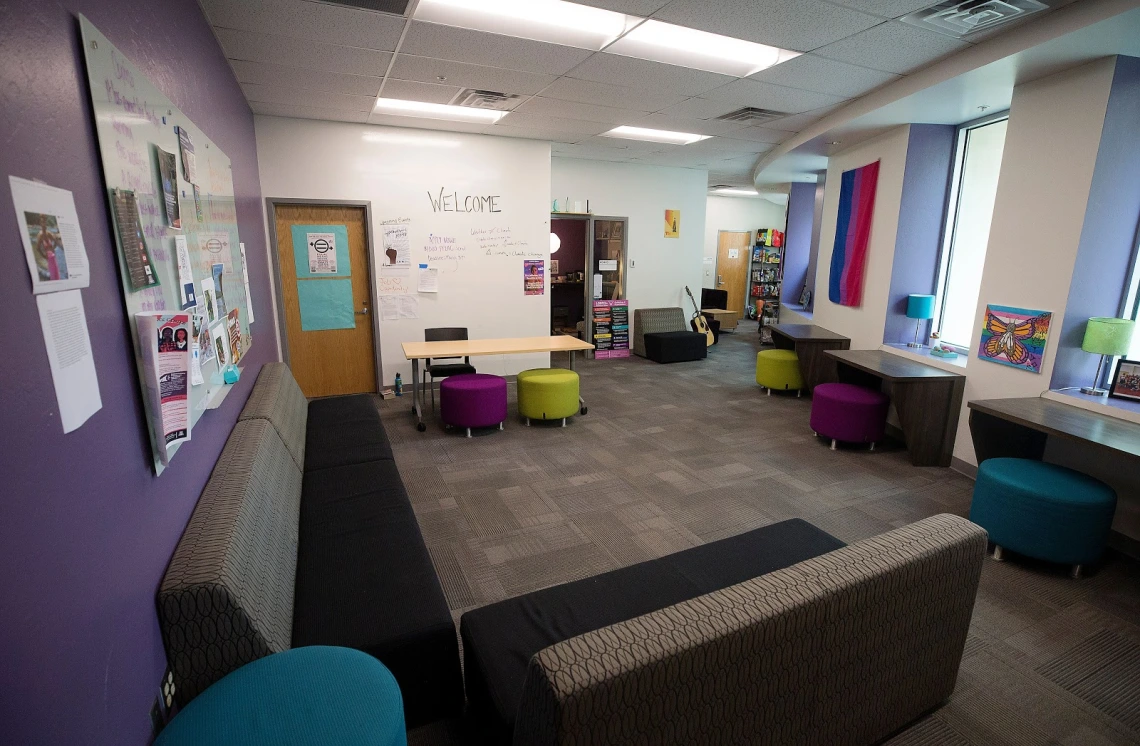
(721,311)
(889,366)
(804,332)
(475,347)
(1064,420)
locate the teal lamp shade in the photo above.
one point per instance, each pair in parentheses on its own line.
(1107,336)
(920,307)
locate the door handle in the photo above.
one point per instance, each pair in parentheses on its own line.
(719,280)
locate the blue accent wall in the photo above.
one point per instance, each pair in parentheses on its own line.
(1108,236)
(797,245)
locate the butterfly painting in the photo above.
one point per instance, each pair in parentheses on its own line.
(1014,337)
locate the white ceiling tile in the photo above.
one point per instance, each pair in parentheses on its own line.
(887,8)
(700,108)
(801,25)
(588,155)
(745,92)
(281,94)
(478,48)
(824,76)
(555,124)
(628,71)
(797,122)
(307,112)
(464,75)
(331,24)
(285,50)
(390,120)
(759,134)
(300,77)
(410,90)
(894,47)
(532,133)
(604,94)
(687,124)
(633,147)
(674,160)
(553,107)
(633,7)
(721,148)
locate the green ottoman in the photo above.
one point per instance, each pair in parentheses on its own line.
(780,370)
(1043,510)
(302,697)
(548,394)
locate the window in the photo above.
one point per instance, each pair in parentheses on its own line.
(976,167)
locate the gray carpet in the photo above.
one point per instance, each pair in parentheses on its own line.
(671,456)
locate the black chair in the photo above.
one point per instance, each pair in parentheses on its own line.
(443,370)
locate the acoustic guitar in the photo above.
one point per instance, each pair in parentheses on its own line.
(699,322)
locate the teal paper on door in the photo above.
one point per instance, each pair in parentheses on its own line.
(321,251)
(325,304)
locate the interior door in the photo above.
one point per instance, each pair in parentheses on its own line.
(330,347)
(733,249)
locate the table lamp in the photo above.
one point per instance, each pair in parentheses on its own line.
(920,307)
(1105,336)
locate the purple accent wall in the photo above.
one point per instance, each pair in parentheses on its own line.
(86,529)
(797,243)
(816,228)
(918,242)
(1109,234)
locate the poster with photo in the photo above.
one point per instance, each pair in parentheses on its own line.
(210,299)
(140,267)
(220,339)
(233,327)
(204,341)
(189,164)
(534,280)
(166,341)
(216,272)
(1126,380)
(168,177)
(49,232)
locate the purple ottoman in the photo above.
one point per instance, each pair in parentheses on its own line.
(849,413)
(473,400)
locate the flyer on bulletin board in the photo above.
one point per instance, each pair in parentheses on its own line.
(534,281)
(165,341)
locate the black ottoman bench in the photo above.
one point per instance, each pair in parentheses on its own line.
(675,347)
(500,639)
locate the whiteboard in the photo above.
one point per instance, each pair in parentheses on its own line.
(132,119)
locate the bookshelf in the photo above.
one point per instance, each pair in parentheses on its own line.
(766,277)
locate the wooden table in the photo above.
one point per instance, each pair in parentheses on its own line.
(727,319)
(928,399)
(1019,428)
(416,351)
(810,342)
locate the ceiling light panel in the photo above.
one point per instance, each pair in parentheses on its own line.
(399,107)
(700,50)
(737,192)
(551,21)
(650,135)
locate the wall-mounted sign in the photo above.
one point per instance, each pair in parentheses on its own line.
(672,223)
(607,265)
(611,328)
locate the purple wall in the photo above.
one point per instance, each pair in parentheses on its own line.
(918,243)
(87,529)
(797,243)
(1108,237)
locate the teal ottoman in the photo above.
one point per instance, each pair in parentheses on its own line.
(301,697)
(1043,510)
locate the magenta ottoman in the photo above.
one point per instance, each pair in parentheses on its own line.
(473,400)
(848,413)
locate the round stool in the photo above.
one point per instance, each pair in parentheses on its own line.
(473,400)
(313,695)
(780,370)
(848,413)
(548,394)
(1043,510)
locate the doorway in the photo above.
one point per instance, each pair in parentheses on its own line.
(733,250)
(325,307)
(568,275)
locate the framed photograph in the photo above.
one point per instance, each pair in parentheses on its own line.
(1126,381)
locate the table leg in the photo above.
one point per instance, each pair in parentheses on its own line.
(417,396)
(581,402)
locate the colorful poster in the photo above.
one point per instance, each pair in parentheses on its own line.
(1015,337)
(611,329)
(672,223)
(166,341)
(397,261)
(322,253)
(233,325)
(140,267)
(219,338)
(53,243)
(534,280)
(168,176)
(852,234)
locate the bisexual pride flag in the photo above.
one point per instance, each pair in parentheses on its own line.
(852,231)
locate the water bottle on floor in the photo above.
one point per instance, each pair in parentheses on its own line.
(399,385)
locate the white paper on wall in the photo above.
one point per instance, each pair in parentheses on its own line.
(64,325)
(50,234)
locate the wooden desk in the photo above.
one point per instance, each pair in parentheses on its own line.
(728,319)
(810,342)
(416,351)
(1020,427)
(928,399)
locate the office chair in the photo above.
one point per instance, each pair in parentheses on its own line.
(443,370)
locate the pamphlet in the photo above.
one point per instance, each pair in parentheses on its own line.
(168,175)
(164,340)
(189,167)
(140,268)
(233,326)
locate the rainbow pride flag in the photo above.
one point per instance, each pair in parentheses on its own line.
(852,231)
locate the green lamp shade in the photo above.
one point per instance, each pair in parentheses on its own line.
(1108,336)
(920,306)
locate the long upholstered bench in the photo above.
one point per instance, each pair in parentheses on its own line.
(304,535)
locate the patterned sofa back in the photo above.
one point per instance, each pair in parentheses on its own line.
(227,596)
(276,397)
(841,649)
(652,320)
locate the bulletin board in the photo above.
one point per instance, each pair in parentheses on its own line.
(134,120)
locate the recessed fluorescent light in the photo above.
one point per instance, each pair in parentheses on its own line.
(399,107)
(552,21)
(686,47)
(643,133)
(739,192)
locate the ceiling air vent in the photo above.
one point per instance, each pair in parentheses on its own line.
(477,99)
(958,19)
(752,115)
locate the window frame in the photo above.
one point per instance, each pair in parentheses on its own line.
(950,219)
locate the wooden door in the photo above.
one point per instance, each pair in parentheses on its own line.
(732,253)
(328,362)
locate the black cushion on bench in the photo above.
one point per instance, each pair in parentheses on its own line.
(675,347)
(344,430)
(500,639)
